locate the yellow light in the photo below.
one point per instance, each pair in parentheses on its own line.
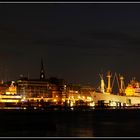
(92,104)
(112,104)
(71,104)
(89,98)
(9,101)
(8,96)
(8,93)
(79,97)
(83,97)
(129,91)
(54,100)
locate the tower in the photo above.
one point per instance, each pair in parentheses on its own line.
(42,72)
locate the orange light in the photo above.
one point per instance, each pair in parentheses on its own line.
(129,91)
(54,100)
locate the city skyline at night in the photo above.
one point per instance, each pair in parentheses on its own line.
(77,41)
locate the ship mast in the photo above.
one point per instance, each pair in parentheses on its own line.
(102,84)
(121,85)
(109,89)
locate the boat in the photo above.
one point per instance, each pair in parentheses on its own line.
(129,96)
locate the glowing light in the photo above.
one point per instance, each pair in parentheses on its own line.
(9,101)
(83,97)
(23,99)
(129,91)
(71,108)
(92,104)
(11,97)
(54,100)
(79,97)
(89,98)
(112,103)
(71,104)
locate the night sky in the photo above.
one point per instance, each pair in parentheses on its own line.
(76,41)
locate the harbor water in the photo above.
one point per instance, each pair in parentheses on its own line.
(64,123)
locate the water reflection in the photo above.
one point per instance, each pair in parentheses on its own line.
(12,107)
(99,123)
(74,131)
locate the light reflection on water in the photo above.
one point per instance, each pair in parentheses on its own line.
(72,124)
(73,131)
(12,107)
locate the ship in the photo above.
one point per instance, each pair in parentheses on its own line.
(126,97)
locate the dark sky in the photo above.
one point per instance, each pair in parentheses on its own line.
(77,41)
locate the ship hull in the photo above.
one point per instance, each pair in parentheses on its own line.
(112,99)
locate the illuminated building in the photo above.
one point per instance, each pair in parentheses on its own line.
(78,95)
(40,88)
(12,89)
(3,87)
(9,95)
(33,88)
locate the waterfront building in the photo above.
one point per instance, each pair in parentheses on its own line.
(78,95)
(3,87)
(42,88)
(12,89)
(33,88)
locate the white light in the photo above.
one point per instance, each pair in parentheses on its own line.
(71,108)
(92,104)
(71,104)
